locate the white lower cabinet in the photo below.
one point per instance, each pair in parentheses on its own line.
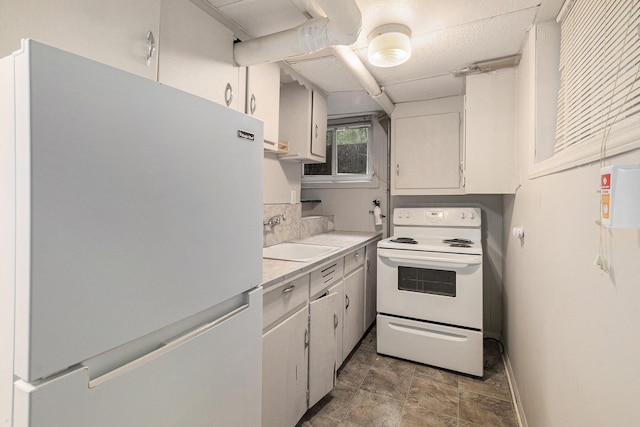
(323,323)
(353,325)
(338,289)
(310,326)
(285,370)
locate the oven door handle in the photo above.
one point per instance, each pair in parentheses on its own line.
(429,259)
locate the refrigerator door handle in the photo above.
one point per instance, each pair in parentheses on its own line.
(167,347)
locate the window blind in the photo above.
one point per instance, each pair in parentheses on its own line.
(599,70)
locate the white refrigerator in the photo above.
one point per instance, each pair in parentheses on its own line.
(131,250)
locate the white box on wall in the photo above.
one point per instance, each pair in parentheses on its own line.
(620,196)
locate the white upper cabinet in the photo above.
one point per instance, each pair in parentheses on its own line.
(426,155)
(120,33)
(303,123)
(196,55)
(263,100)
(490,106)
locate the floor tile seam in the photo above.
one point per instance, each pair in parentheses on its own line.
(487,395)
(406,398)
(482,395)
(382,371)
(427,377)
(385,395)
(364,377)
(353,396)
(435,411)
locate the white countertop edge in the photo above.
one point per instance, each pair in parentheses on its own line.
(293,270)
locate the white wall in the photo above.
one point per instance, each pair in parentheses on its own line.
(572,331)
(351,205)
(280,180)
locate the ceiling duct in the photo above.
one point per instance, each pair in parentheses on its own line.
(488,65)
(340,27)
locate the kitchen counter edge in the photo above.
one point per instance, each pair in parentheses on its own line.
(276,271)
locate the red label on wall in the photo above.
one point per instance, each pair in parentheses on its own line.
(605,181)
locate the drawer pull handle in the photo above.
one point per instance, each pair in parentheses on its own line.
(252,104)
(151,42)
(289,289)
(346,298)
(335,321)
(329,267)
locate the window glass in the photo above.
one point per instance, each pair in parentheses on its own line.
(348,148)
(352,144)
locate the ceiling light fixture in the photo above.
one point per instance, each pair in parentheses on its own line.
(389,45)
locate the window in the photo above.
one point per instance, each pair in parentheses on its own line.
(599,96)
(348,152)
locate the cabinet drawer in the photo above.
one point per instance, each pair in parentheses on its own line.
(353,260)
(326,275)
(281,299)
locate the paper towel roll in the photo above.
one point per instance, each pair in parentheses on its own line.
(377,215)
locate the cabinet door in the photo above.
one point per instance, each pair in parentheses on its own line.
(338,289)
(322,347)
(284,371)
(490,106)
(113,32)
(319,125)
(197,54)
(263,100)
(370,286)
(303,122)
(353,327)
(427,153)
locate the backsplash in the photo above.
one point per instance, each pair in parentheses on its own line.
(294,227)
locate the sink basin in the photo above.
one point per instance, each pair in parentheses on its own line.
(299,252)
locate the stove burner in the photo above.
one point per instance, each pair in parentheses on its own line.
(455,242)
(459,245)
(404,240)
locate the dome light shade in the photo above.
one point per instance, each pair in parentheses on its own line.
(389,45)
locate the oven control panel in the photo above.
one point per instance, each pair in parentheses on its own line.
(443,216)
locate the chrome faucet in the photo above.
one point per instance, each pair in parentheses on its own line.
(274,220)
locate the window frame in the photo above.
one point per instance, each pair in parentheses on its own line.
(623,137)
(342,179)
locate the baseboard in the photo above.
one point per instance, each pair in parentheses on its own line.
(515,394)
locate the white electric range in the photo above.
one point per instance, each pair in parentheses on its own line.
(430,288)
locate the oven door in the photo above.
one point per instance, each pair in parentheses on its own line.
(434,286)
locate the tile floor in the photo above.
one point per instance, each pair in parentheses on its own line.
(375,390)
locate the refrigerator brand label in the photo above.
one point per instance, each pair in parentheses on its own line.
(246,135)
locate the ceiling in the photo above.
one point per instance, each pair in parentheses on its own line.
(446,35)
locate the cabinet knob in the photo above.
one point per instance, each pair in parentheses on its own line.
(151,41)
(228,94)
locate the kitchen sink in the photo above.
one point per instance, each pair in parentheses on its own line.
(299,252)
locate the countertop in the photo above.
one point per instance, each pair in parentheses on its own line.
(275,271)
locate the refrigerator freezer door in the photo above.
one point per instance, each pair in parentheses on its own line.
(213,379)
(137,206)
